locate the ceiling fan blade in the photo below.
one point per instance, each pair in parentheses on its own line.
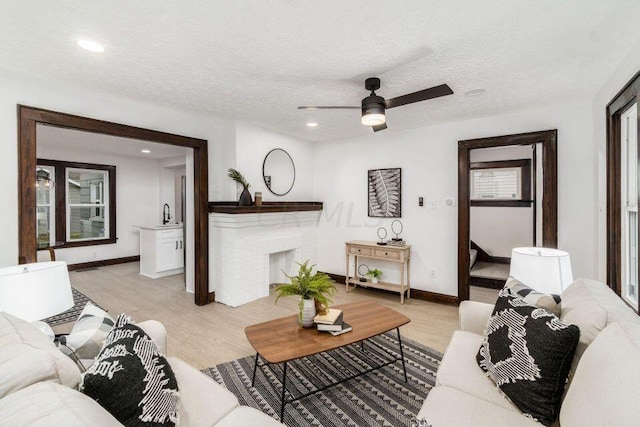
(379,127)
(333,107)
(421,95)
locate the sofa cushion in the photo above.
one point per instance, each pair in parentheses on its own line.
(449,407)
(244,416)
(87,336)
(527,352)
(46,404)
(592,306)
(551,303)
(198,392)
(132,380)
(460,370)
(28,356)
(604,390)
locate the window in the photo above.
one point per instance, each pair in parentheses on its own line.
(80,209)
(45,212)
(501,183)
(629,208)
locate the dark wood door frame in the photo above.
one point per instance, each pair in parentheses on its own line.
(29,117)
(629,94)
(549,141)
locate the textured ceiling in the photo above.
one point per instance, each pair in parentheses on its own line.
(51,136)
(258,60)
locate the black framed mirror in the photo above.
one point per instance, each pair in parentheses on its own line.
(278,172)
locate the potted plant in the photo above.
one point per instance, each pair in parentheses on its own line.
(245,196)
(314,290)
(375,275)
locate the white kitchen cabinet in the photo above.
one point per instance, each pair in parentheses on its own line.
(161,251)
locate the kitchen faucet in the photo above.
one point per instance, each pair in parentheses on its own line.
(166,214)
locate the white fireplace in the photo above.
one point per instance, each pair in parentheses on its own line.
(245,248)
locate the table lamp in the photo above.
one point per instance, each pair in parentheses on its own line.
(35,291)
(543,269)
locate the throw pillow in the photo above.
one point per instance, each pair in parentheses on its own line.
(527,352)
(87,336)
(131,380)
(551,303)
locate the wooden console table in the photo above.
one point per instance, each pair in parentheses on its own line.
(399,254)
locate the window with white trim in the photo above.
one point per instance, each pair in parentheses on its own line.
(629,208)
(79,209)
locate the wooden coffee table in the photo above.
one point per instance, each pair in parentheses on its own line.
(283,340)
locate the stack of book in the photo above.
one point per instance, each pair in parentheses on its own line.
(332,322)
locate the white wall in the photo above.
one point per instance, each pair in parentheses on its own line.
(137,201)
(253,144)
(497,230)
(625,72)
(429,158)
(16,89)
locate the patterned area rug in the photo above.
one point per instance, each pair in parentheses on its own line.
(379,398)
(79,301)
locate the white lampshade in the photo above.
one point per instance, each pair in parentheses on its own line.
(543,269)
(35,291)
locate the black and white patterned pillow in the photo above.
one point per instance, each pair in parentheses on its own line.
(86,339)
(527,352)
(131,380)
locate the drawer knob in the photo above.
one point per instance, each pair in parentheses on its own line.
(359,250)
(386,253)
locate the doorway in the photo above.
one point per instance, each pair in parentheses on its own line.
(29,118)
(544,232)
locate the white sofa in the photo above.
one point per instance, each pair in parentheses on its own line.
(38,386)
(604,385)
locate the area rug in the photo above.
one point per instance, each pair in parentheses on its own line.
(79,301)
(378,398)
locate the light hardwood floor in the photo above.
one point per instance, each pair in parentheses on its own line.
(208,335)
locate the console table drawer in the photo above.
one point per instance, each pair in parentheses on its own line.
(381,253)
(360,251)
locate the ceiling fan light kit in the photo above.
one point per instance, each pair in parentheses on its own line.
(374,106)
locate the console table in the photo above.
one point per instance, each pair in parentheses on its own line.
(364,249)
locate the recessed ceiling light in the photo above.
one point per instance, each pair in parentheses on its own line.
(91,46)
(475,92)
(312,124)
(145,151)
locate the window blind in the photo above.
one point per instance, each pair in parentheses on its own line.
(496,184)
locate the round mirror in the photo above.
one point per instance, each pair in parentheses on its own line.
(278,171)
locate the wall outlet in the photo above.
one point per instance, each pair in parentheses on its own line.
(94,254)
(432,273)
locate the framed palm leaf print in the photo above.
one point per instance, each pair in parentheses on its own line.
(385,193)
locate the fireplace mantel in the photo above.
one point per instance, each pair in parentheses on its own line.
(267,207)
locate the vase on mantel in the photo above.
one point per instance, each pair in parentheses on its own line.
(307,312)
(245,198)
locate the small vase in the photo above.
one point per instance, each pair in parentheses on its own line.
(245,198)
(307,313)
(374,280)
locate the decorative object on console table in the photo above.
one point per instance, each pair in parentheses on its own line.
(245,196)
(36,291)
(546,270)
(363,269)
(258,198)
(382,234)
(397,228)
(375,275)
(314,290)
(384,193)
(363,249)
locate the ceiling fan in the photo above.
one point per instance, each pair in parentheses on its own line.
(374,106)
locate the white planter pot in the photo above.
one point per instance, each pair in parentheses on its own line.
(308,313)
(374,280)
